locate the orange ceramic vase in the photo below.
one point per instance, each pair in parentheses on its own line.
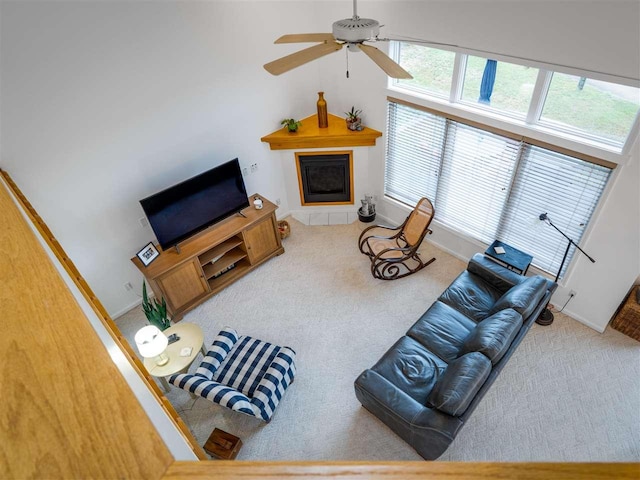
(323,121)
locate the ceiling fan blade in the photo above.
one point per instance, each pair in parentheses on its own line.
(294,60)
(305,37)
(390,67)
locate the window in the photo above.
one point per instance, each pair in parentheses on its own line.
(431,68)
(590,107)
(490,185)
(500,85)
(475,175)
(414,149)
(596,113)
(566,188)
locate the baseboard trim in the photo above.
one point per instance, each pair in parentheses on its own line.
(448,250)
(126,309)
(283,215)
(587,323)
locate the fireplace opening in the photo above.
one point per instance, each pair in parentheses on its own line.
(325,178)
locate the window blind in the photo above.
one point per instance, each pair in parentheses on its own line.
(415,141)
(490,185)
(475,178)
(564,187)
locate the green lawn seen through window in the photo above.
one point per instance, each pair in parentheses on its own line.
(431,68)
(599,108)
(602,109)
(512,90)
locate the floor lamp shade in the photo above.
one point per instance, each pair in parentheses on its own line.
(151,342)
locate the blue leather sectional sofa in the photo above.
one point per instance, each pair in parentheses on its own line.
(428,383)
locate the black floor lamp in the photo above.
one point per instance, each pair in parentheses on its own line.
(546,317)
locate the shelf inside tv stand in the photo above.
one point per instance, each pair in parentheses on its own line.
(220,250)
(227,277)
(213,259)
(228,260)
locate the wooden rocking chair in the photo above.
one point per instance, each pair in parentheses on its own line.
(396,256)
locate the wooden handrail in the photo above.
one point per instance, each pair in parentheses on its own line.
(101,313)
(400,470)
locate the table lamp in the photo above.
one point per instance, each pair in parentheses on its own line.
(151,342)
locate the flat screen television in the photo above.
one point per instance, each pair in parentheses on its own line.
(182,210)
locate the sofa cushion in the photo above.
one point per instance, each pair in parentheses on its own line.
(411,368)
(523,298)
(471,295)
(442,330)
(459,384)
(493,336)
(246,364)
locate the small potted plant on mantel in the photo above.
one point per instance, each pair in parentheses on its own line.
(354,122)
(291,124)
(156,312)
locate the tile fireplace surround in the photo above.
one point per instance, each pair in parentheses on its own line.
(311,140)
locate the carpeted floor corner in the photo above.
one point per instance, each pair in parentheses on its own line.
(567,394)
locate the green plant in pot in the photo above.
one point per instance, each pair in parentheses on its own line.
(353,119)
(156,312)
(291,124)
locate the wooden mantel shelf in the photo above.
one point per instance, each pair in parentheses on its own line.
(309,135)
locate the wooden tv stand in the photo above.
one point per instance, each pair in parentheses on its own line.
(190,277)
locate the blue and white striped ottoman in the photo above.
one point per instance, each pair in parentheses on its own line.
(242,373)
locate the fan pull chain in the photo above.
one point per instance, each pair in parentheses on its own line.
(347,53)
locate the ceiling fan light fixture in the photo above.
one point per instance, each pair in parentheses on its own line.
(355,29)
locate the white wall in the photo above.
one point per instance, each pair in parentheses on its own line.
(614,242)
(105,103)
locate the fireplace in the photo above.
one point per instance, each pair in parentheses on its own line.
(325,178)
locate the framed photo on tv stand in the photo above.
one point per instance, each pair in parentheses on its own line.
(148,254)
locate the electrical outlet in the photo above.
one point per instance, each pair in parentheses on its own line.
(278,201)
(254,167)
(128,287)
(144,222)
(572,293)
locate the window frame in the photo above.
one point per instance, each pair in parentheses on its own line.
(526,142)
(543,130)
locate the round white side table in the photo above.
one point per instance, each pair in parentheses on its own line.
(190,336)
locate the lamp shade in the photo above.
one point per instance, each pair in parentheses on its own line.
(150,341)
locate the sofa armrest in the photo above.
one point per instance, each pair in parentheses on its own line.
(496,275)
(427,430)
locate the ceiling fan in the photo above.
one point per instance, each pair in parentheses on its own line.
(352,32)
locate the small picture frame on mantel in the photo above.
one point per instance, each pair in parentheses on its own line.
(148,254)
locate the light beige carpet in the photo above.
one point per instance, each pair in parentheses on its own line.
(567,394)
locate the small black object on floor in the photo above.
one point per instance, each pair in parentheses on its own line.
(366,218)
(545,318)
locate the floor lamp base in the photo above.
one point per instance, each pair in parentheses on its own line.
(545,318)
